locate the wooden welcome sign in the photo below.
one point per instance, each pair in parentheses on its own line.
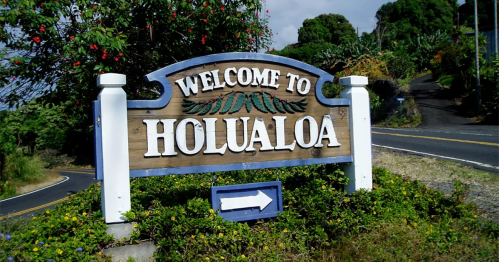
(224,112)
(236,111)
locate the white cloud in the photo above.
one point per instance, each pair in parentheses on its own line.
(287,16)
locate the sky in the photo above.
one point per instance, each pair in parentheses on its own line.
(287,16)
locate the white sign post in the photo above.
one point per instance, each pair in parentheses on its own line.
(115,187)
(360,171)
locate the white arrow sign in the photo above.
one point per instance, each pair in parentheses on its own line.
(260,200)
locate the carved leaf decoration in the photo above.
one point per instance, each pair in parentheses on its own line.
(217,107)
(248,105)
(228,104)
(295,107)
(197,109)
(207,109)
(278,106)
(239,103)
(286,107)
(189,107)
(267,103)
(257,103)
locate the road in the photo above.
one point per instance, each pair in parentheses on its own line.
(48,197)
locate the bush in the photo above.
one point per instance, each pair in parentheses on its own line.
(24,168)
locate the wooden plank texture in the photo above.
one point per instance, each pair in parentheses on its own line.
(137,129)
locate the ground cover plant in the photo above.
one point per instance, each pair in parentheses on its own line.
(398,220)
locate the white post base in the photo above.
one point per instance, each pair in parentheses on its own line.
(115,187)
(360,171)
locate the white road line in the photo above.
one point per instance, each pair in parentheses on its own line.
(433,131)
(67,178)
(444,157)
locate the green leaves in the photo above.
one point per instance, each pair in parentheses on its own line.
(261,100)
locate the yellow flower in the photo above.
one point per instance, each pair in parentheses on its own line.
(221,234)
(346,199)
(416,195)
(392,181)
(415,224)
(466,228)
(222,258)
(36,242)
(330,221)
(281,245)
(35,249)
(134,225)
(51,225)
(427,232)
(66,218)
(100,253)
(338,220)
(405,193)
(323,187)
(375,202)
(235,232)
(74,218)
(48,212)
(202,237)
(59,251)
(212,211)
(409,227)
(34,217)
(146,213)
(374,212)
(218,227)
(475,216)
(313,248)
(67,214)
(102,218)
(192,236)
(173,218)
(84,214)
(207,258)
(243,256)
(266,248)
(251,243)
(450,230)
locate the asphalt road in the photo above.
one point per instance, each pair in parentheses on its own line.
(49,197)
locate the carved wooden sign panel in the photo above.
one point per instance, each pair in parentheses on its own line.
(236,111)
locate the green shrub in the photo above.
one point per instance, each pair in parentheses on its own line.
(24,168)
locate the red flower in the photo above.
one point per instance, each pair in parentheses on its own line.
(120,54)
(190,29)
(174,14)
(116,59)
(71,38)
(242,21)
(222,8)
(94,6)
(102,72)
(76,64)
(77,102)
(173,18)
(203,41)
(36,39)
(237,35)
(212,11)
(263,28)
(247,31)
(41,4)
(170,6)
(148,26)
(205,20)
(267,11)
(42,28)
(257,15)
(252,39)
(251,23)
(205,4)
(268,49)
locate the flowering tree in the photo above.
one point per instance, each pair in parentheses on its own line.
(57,48)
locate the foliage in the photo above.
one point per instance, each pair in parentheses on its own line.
(73,231)
(485,10)
(407,19)
(303,52)
(57,49)
(331,28)
(23,168)
(318,217)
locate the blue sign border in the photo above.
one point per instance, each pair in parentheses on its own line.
(160,76)
(215,199)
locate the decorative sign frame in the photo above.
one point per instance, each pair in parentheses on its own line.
(223,112)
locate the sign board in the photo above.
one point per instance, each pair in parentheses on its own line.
(247,201)
(236,111)
(400,99)
(224,112)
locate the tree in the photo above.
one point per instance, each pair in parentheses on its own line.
(485,10)
(331,28)
(58,48)
(407,19)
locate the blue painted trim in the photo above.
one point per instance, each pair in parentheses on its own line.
(238,166)
(99,172)
(160,75)
(244,190)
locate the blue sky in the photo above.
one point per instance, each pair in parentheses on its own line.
(286,16)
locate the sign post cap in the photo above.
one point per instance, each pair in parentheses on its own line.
(354,81)
(111,80)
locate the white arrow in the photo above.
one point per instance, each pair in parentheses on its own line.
(260,200)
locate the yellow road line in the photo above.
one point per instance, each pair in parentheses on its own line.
(34,208)
(440,138)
